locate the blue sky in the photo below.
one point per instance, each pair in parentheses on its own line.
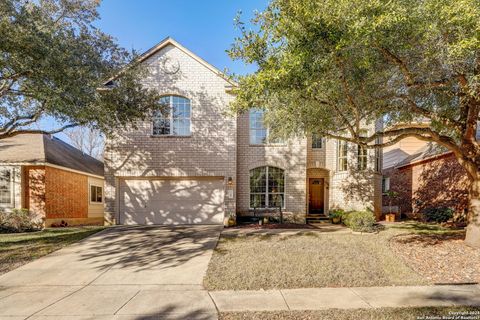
(204,26)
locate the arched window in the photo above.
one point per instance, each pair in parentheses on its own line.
(174,120)
(267,187)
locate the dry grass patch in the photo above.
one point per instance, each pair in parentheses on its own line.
(307,259)
(360,314)
(17,249)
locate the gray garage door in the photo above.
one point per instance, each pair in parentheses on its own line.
(170,201)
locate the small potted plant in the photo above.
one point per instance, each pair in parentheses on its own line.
(390,215)
(232,219)
(336,216)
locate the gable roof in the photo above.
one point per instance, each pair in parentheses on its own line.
(43,149)
(170,41)
(430,151)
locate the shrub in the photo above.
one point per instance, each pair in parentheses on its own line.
(437,214)
(19,220)
(361,221)
(336,213)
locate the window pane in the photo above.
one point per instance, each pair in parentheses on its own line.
(258,132)
(258,180)
(93,193)
(99,194)
(316,141)
(342,156)
(161,124)
(5,186)
(96,194)
(276,180)
(276,200)
(257,200)
(178,112)
(258,136)
(362,158)
(181,127)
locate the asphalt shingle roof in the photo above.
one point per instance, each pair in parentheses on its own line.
(41,149)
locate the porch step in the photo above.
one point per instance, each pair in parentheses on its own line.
(317,218)
(318,221)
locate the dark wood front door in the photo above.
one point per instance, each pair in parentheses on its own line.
(316,189)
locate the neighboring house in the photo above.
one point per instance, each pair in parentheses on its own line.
(52,179)
(429,178)
(424,175)
(198,163)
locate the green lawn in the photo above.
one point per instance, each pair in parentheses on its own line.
(312,259)
(360,314)
(17,249)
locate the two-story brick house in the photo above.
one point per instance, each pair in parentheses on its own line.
(199,162)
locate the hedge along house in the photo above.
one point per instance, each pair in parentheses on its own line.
(197,163)
(52,179)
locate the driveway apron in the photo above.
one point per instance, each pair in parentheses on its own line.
(120,273)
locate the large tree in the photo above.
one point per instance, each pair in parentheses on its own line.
(331,66)
(53,63)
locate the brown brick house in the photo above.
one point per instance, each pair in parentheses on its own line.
(51,178)
(430,177)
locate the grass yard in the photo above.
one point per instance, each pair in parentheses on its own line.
(312,259)
(370,314)
(17,249)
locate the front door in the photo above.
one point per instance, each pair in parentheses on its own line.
(316,190)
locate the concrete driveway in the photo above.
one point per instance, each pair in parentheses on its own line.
(120,273)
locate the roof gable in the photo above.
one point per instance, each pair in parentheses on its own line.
(171,42)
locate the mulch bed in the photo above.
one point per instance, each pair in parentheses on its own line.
(273,226)
(440,258)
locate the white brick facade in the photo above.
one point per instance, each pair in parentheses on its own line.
(219,145)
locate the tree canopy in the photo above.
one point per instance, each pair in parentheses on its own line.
(53,61)
(329,67)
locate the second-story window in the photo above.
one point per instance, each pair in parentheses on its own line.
(342,153)
(259,133)
(174,120)
(317,141)
(362,156)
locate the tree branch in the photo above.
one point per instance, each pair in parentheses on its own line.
(25,131)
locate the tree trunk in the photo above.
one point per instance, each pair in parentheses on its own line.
(473,229)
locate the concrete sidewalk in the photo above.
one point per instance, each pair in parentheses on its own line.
(347,298)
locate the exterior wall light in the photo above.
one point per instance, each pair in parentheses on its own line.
(230,181)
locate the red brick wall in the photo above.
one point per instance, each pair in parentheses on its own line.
(66,194)
(438,182)
(34,191)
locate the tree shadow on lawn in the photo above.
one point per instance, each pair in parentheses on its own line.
(427,240)
(424,228)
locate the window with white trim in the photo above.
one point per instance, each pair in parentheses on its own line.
(342,152)
(6,186)
(362,157)
(174,120)
(267,187)
(259,133)
(317,141)
(385,184)
(96,194)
